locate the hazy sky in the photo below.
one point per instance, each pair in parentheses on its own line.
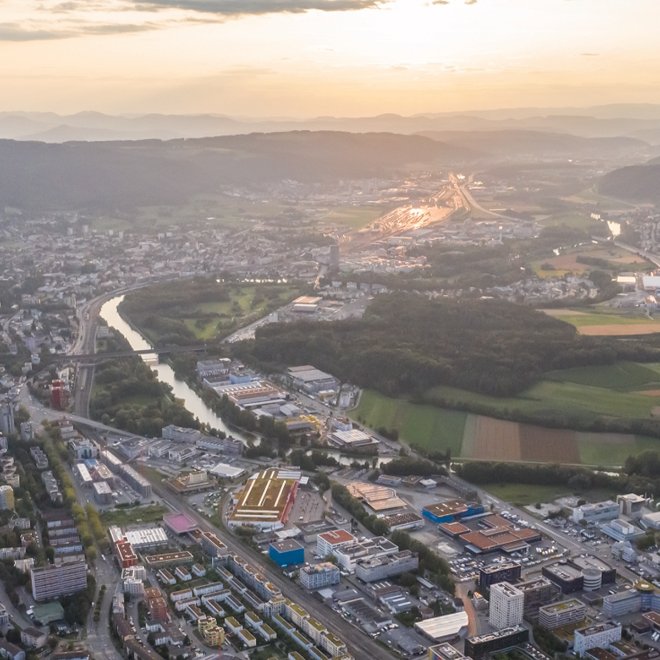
(316,57)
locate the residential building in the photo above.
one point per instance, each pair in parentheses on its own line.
(51,581)
(6,497)
(599,635)
(506,605)
(10,651)
(33,638)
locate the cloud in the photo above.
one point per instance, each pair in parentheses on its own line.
(16,32)
(590,54)
(246,7)
(40,20)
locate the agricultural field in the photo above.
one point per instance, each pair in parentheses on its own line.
(426,426)
(624,390)
(607,323)
(608,258)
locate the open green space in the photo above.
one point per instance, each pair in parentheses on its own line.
(202,309)
(595,450)
(582,319)
(524,494)
(618,376)
(132,515)
(425,426)
(354,217)
(583,392)
(574,219)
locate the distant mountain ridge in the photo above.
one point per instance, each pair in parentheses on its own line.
(79,175)
(634,120)
(637,183)
(525,143)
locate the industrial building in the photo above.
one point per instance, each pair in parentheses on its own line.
(450,511)
(353,439)
(444,628)
(375,497)
(310,379)
(507,571)
(506,605)
(349,555)
(631,504)
(383,567)
(561,614)
(621,530)
(596,512)
(265,501)
(480,645)
(495,533)
(287,553)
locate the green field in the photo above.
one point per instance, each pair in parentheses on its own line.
(353,217)
(583,392)
(524,494)
(574,219)
(620,376)
(580,395)
(425,426)
(583,319)
(213,316)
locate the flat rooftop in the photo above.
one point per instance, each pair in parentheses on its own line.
(179,523)
(337,536)
(264,498)
(449,508)
(563,606)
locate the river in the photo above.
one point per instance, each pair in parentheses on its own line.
(181,390)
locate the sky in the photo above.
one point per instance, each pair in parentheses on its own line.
(306,58)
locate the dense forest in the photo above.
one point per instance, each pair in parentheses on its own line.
(407,343)
(125,174)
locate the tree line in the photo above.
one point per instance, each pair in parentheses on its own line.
(406,344)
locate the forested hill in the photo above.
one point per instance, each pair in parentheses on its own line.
(523,143)
(406,344)
(88,175)
(639,183)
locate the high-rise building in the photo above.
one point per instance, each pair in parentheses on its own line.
(506,605)
(6,497)
(53,581)
(7,417)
